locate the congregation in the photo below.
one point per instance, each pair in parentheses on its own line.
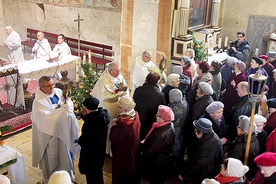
(195,128)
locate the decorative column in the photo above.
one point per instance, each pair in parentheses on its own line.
(183,17)
(215,13)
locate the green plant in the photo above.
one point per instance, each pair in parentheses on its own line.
(85,87)
(199,48)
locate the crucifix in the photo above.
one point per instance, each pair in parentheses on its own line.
(78,20)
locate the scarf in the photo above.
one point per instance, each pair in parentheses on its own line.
(157,125)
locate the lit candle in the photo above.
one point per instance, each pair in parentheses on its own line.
(89,56)
(84,57)
(226,41)
(219,42)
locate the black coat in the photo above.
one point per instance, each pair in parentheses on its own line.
(147,98)
(219,130)
(271,179)
(93,140)
(208,158)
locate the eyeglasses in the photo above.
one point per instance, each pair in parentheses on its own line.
(117,71)
(48,86)
(157,115)
(239,36)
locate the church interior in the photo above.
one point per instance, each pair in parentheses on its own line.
(164,27)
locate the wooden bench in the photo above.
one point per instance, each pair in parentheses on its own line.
(101,54)
(31,38)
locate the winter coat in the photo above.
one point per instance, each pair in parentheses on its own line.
(93,140)
(271,123)
(219,130)
(147,98)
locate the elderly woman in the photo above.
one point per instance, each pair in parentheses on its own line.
(158,145)
(147,98)
(187,68)
(237,148)
(260,122)
(214,112)
(173,82)
(125,141)
(256,63)
(180,110)
(202,71)
(184,81)
(267,171)
(230,95)
(232,171)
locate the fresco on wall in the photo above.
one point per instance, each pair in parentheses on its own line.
(106,4)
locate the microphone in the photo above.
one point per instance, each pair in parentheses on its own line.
(50,61)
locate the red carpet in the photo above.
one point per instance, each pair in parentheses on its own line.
(19,119)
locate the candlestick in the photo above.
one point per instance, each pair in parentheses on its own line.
(77,70)
(219,42)
(226,42)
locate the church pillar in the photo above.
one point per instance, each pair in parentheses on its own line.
(215,13)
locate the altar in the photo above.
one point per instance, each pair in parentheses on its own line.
(34,69)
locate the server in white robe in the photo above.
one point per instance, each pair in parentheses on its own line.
(110,86)
(54,130)
(42,47)
(13,42)
(62,47)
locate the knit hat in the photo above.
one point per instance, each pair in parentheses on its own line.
(204,66)
(91,103)
(271,102)
(209,181)
(258,60)
(265,57)
(258,119)
(177,70)
(216,65)
(206,88)
(186,60)
(266,159)
(126,103)
(235,168)
(231,60)
(203,125)
(214,106)
(166,113)
(60,177)
(244,122)
(175,95)
(4,179)
(271,54)
(241,65)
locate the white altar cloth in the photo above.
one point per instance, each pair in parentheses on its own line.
(16,171)
(34,69)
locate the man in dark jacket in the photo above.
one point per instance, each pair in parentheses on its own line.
(243,107)
(240,48)
(93,140)
(208,154)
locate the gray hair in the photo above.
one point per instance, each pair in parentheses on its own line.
(175,95)
(43,79)
(112,64)
(8,27)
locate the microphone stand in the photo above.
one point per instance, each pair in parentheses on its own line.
(50,61)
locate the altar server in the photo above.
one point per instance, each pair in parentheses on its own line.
(54,130)
(13,42)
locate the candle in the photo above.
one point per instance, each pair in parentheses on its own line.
(219,42)
(89,56)
(226,41)
(84,57)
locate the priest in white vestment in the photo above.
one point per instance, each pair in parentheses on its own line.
(13,42)
(110,86)
(62,47)
(42,47)
(54,130)
(143,66)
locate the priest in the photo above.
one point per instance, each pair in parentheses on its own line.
(54,130)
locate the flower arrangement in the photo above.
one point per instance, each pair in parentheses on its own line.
(85,87)
(199,48)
